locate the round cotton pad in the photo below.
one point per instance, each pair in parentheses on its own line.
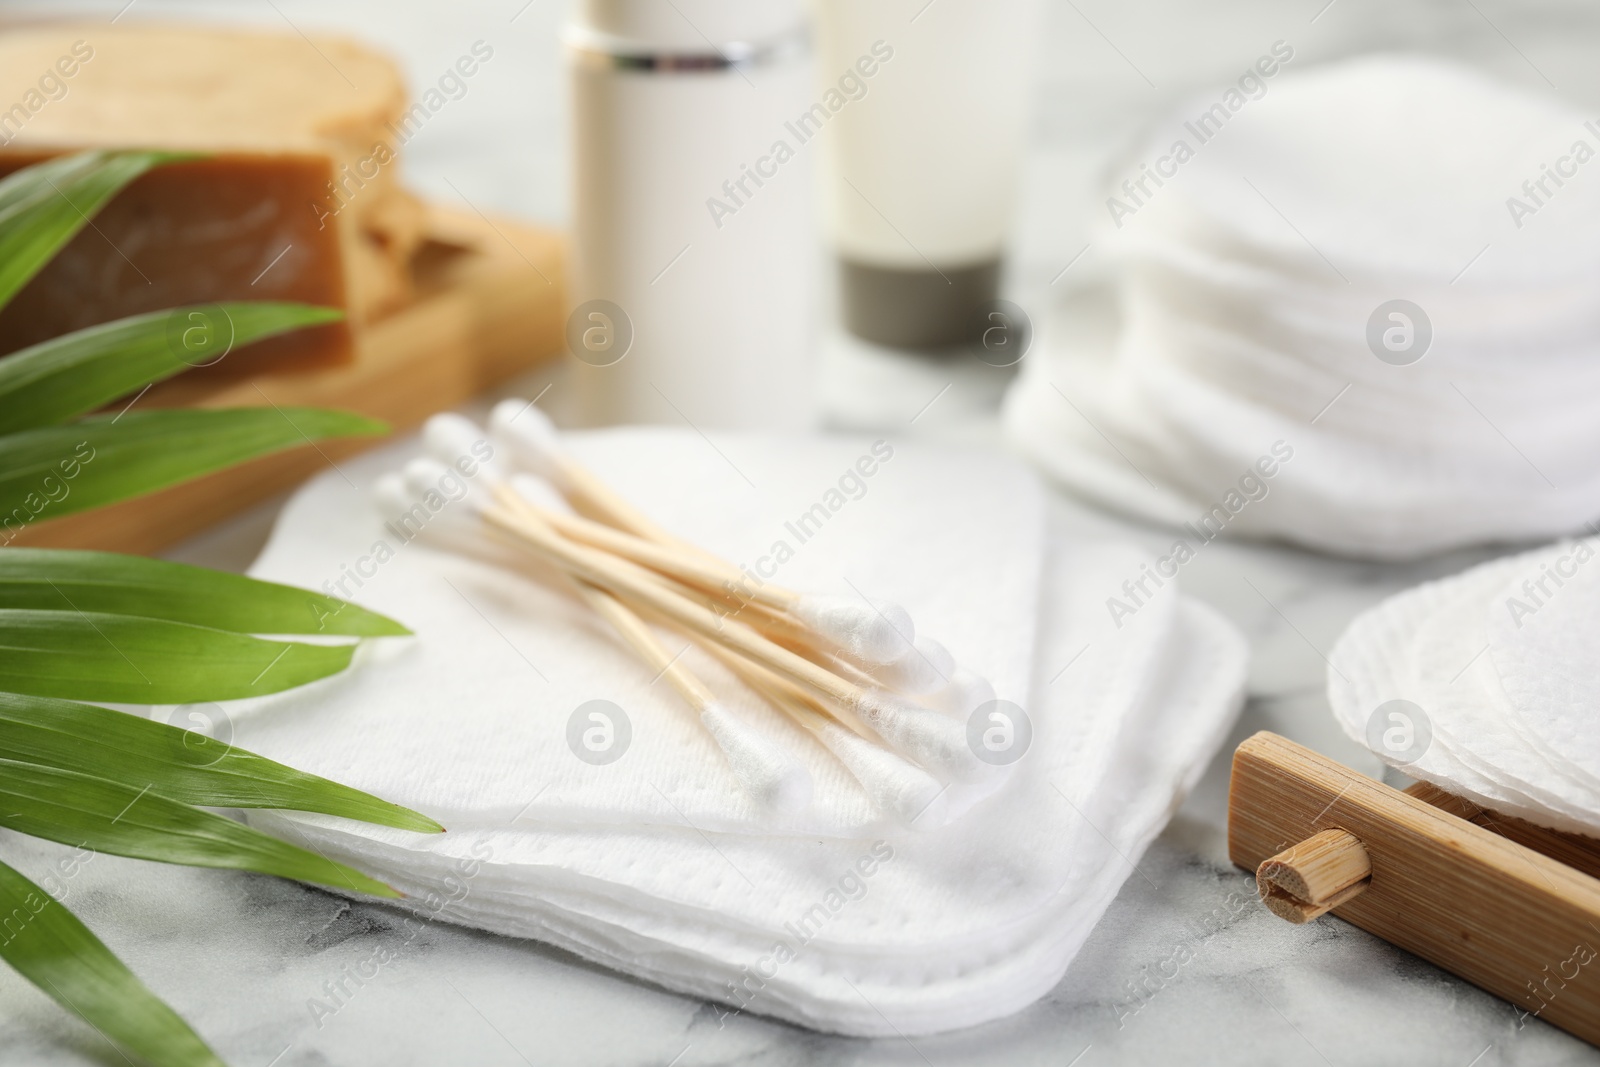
(1544,640)
(1433,646)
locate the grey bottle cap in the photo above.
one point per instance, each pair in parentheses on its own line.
(906,308)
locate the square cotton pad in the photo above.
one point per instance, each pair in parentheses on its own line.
(652,864)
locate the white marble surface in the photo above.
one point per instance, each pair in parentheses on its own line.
(241,955)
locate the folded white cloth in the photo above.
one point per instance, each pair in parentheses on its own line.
(1497,671)
(655,864)
(1249,285)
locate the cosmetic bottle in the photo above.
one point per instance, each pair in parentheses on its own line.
(694,247)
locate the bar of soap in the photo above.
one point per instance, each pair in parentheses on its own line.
(298,197)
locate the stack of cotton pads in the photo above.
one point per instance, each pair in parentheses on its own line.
(1388,267)
(1486,684)
(656,862)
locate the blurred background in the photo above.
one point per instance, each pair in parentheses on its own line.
(1103,71)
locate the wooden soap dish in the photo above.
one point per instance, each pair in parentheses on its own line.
(1511,907)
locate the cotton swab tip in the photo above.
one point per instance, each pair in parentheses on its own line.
(389,496)
(966,693)
(871,631)
(530,440)
(437,486)
(929,669)
(937,742)
(457,441)
(905,791)
(767,770)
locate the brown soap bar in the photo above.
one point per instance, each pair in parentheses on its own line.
(298,197)
(197,233)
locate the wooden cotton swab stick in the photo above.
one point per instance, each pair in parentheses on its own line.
(929,669)
(766,770)
(903,789)
(524,430)
(935,741)
(871,631)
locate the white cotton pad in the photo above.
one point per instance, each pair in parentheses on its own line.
(1470,715)
(1544,641)
(892,932)
(1436,646)
(1250,378)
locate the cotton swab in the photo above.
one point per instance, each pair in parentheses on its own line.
(927,670)
(542,500)
(767,771)
(965,694)
(824,661)
(935,741)
(534,445)
(903,789)
(870,631)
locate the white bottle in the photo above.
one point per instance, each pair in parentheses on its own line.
(693,245)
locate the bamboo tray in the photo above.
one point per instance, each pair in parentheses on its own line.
(1511,907)
(489,304)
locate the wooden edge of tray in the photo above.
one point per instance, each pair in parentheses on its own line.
(1453,884)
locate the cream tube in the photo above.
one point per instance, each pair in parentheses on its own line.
(693,246)
(922,159)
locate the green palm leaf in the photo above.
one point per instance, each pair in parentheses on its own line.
(50,948)
(103,627)
(57,470)
(44,206)
(132,585)
(179,764)
(79,372)
(83,655)
(124,820)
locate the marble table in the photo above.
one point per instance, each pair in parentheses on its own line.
(244,956)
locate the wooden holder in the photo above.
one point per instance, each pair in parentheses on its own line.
(1511,907)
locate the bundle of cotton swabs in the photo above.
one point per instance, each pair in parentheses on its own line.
(888,704)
